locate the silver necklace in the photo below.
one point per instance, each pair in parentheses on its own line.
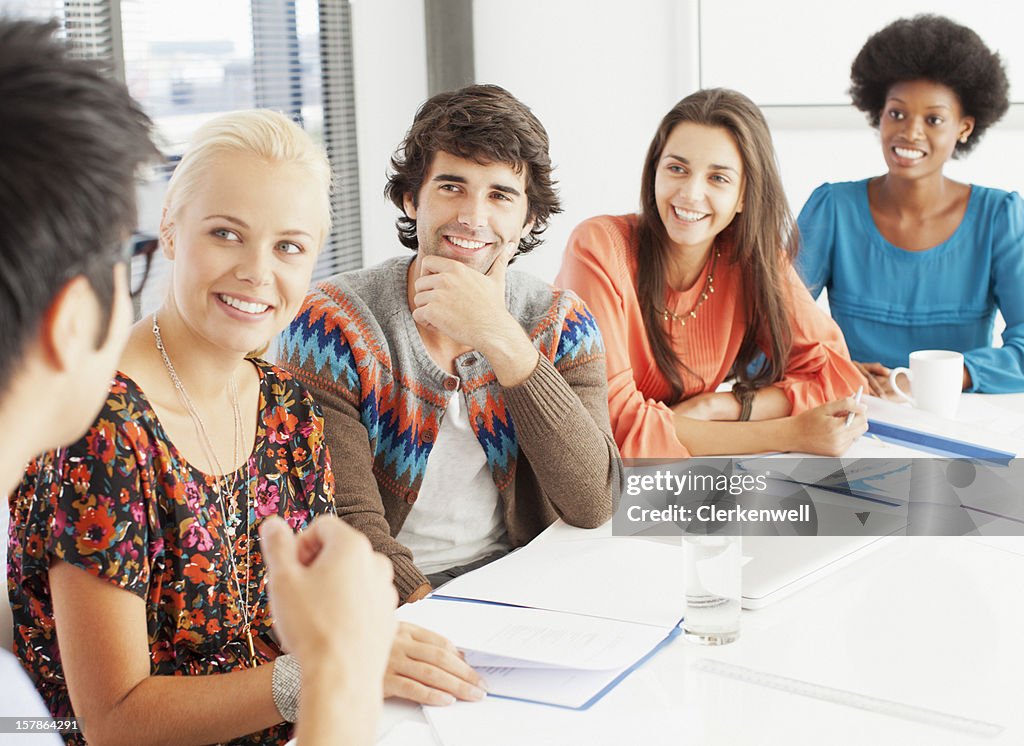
(221,485)
(231,519)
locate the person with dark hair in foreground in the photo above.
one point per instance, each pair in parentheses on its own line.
(912,259)
(72,143)
(699,288)
(467,402)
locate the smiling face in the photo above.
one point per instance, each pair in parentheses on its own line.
(469,211)
(244,247)
(919,127)
(698,184)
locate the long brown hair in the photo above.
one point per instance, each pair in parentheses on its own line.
(762,239)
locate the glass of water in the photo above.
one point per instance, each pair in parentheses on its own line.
(712,569)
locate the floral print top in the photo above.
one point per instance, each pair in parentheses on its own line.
(125,506)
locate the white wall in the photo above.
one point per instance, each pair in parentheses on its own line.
(787,52)
(597,93)
(389,49)
(798,54)
(600,74)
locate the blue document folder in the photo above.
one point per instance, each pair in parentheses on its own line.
(937,444)
(537,679)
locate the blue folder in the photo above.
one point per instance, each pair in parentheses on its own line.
(672,634)
(937,444)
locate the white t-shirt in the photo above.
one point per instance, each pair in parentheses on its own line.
(457,517)
(19,699)
(6,620)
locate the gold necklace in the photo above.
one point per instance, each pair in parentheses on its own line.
(709,288)
(230,519)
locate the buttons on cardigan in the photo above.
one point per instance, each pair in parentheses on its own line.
(410,498)
(471,360)
(451,383)
(428,436)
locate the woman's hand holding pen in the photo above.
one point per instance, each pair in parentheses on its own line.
(823,430)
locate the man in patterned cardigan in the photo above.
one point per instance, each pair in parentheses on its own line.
(466,405)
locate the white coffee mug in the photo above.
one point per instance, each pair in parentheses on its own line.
(937,378)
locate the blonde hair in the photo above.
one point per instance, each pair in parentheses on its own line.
(263,133)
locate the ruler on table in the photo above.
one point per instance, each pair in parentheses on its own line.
(850,699)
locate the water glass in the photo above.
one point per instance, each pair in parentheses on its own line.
(712,570)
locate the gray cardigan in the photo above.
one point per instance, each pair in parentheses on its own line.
(548,440)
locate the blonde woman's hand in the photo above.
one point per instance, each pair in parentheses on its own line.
(426,668)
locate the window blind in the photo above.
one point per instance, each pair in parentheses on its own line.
(190,60)
(339,128)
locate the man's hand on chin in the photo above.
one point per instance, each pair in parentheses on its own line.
(469,307)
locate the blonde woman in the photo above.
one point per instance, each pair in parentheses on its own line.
(137,582)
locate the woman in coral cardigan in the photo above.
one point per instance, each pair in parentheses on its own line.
(699,288)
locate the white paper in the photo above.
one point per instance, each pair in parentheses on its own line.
(996,413)
(409,733)
(623,578)
(972,425)
(553,686)
(536,636)
(500,722)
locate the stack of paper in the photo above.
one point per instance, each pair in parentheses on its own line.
(625,578)
(552,657)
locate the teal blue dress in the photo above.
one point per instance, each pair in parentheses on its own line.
(889,301)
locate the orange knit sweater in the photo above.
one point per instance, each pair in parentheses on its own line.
(600,264)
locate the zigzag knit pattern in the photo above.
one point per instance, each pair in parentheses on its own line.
(338,343)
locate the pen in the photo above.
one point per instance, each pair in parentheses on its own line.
(849,415)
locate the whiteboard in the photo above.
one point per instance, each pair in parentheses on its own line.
(798,52)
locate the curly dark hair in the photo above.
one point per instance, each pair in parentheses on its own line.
(934,48)
(484,123)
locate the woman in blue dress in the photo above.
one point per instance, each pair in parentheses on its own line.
(912,259)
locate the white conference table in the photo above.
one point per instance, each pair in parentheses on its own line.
(929,622)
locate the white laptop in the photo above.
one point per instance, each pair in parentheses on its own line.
(776,566)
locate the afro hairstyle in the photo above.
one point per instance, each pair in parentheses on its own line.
(934,48)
